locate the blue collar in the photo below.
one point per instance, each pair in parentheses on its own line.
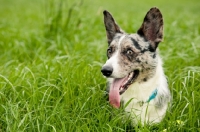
(153,95)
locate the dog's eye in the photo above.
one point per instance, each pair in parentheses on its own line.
(129,52)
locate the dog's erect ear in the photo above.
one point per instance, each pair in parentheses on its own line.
(152,27)
(111,27)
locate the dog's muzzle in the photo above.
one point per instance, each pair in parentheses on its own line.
(107,70)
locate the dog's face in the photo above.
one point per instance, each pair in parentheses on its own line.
(132,57)
(129,53)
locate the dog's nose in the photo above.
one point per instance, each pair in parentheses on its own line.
(107,70)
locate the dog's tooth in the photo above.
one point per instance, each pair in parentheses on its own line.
(120,88)
(131,73)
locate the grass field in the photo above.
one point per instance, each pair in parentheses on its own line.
(51,53)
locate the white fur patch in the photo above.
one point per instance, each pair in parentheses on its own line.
(120,40)
(115,60)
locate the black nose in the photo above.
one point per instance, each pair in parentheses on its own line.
(107,70)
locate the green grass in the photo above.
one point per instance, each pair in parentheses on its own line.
(51,53)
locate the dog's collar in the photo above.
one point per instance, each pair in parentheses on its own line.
(151,97)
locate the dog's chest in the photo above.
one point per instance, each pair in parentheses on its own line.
(136,97)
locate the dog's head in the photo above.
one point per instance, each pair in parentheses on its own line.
(132,57)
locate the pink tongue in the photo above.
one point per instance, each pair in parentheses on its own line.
(114,97)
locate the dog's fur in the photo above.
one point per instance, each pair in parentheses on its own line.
(137,53)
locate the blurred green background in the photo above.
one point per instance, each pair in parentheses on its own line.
(51,53)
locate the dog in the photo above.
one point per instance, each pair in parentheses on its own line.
(134,69)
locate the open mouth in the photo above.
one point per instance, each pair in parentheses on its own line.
(119,86)
(131,78)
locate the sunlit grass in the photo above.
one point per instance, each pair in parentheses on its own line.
(50,76)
